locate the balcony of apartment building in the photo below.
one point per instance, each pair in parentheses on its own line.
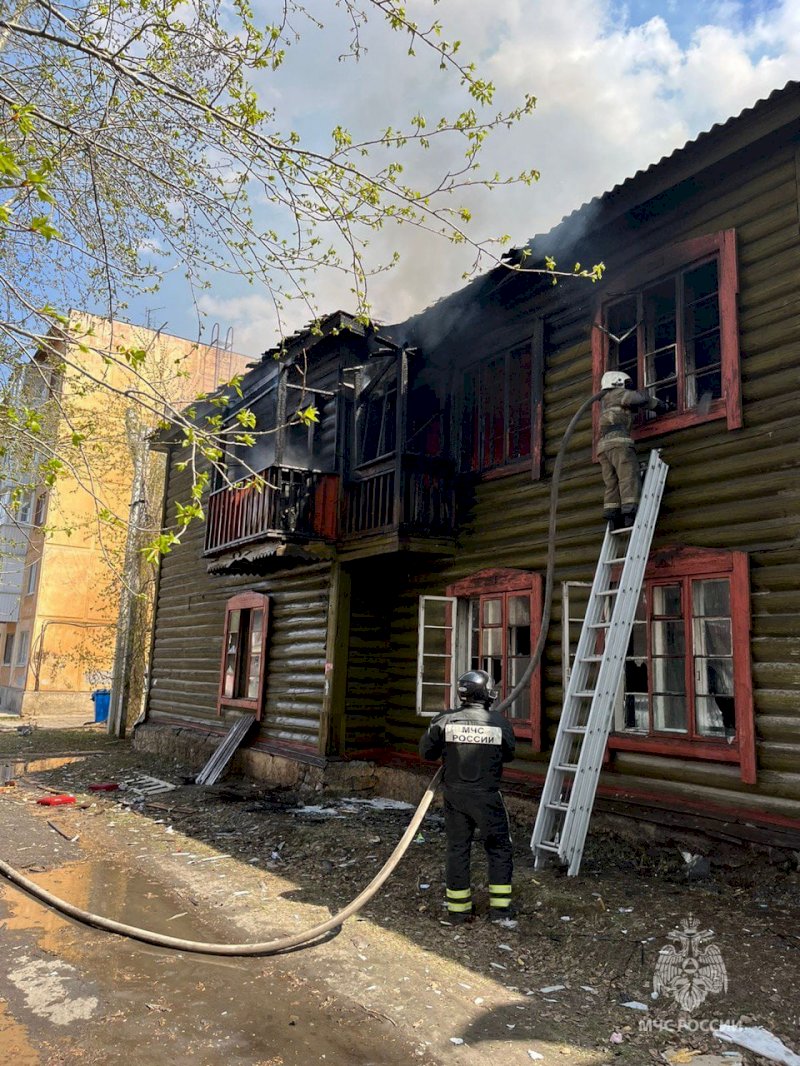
(275,503)
(369,476)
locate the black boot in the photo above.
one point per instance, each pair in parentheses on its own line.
(628,516)
(459,917)
(613,517)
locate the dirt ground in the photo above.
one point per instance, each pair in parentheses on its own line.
(572,982)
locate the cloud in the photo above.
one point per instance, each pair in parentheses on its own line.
(618,88)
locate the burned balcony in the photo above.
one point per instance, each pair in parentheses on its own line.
(285,504)
(410,496)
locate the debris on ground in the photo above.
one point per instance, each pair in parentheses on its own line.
(761,1041)
(563,983)
(67,836)
(691,1057)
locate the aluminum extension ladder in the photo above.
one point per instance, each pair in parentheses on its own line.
(568,797)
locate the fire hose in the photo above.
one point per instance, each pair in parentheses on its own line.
(282,944)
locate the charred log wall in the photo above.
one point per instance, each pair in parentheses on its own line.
(733,490)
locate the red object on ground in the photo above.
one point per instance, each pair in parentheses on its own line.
(55,801)
(105,786)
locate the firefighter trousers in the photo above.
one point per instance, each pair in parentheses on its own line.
(465,813)
(619,466)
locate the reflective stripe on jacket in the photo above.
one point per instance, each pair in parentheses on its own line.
(474,743)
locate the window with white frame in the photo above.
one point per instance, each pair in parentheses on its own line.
(33,576)
(25,507)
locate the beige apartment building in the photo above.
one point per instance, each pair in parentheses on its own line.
(62,547)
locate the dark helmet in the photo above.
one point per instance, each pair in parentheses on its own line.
(476,687)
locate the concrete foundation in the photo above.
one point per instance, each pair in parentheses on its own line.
(408,784)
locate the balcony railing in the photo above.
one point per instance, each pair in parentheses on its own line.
(423,503)
(412,496)
(296,505)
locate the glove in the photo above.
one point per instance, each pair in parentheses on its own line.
(662,406)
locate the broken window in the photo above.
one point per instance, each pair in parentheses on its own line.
(680,680)
(244,652)
(677,336)
(497,421)
(500,644)
(686,687)
(667,339)
(376,410)
(486,622)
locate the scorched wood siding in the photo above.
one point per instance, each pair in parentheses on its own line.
(731,490)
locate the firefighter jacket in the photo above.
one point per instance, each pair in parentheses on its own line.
(474,742)
(616,413)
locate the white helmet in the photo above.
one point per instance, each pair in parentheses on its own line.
(614,379)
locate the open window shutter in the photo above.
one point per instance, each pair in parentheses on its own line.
(436,655)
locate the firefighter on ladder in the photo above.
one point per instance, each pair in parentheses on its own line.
(474,742)
(616,451)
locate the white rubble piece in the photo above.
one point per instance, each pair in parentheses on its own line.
(146,785)
(761,1041)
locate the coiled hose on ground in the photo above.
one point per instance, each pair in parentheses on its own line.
(275,947)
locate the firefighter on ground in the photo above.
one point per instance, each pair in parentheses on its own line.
(618,460)
(474,742)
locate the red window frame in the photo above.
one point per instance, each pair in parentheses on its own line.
(505,582)
(674,566)
(244,602)
(669,262)
(502,411)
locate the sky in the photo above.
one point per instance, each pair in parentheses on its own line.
(618,86)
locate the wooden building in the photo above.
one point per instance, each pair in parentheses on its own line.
(403,537)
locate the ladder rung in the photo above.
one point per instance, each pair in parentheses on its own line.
(572,782)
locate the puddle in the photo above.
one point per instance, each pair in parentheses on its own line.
(168,1006)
